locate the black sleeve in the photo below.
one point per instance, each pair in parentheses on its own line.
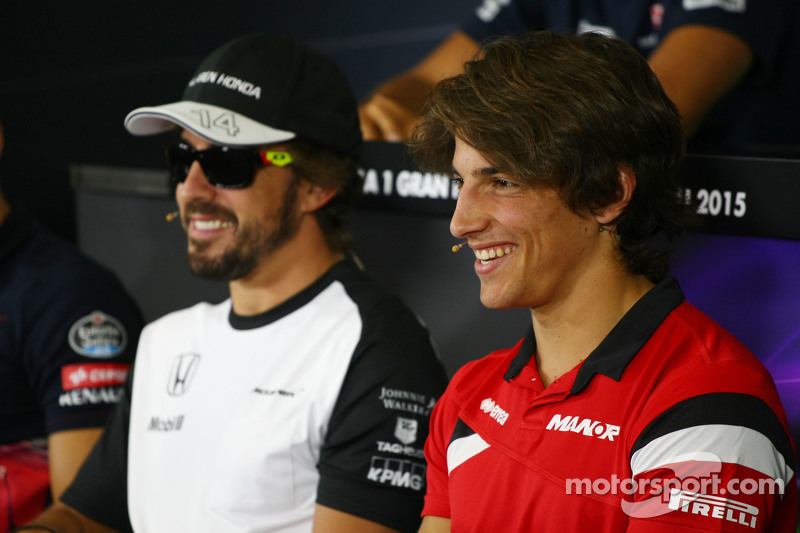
(372,464)
(76,331)
(100,489)
(80,320)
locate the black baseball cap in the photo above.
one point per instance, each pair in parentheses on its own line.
(260,89)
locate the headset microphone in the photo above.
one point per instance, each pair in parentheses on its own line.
(172,216)
(457,247)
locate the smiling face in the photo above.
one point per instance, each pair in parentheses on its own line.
(531,250)
(231,231)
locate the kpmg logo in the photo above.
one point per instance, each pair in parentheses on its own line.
(183,369)
(397,473)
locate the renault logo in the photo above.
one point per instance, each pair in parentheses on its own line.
(183,369)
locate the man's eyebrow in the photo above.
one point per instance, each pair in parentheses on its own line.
(480,173)
(487,171)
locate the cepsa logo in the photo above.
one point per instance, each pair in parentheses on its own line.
(93,375)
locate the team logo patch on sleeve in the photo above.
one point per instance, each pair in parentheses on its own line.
(408,401)
(714,506)
(98,335)
(397,473)
(93,375)
(657,15)
(406,430)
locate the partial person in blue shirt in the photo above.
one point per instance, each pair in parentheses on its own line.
(68,335)
(732,67)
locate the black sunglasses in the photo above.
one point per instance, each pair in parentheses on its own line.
(224,167)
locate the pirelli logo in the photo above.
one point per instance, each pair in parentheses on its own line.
(714,507)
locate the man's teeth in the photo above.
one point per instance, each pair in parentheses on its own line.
(211,224)
(493,253)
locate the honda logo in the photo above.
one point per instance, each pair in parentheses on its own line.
(183,368)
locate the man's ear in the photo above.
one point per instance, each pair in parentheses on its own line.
(314,196)
(626,184)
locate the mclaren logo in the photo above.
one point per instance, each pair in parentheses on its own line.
(183,369)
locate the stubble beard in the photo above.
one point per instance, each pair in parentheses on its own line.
(252,242)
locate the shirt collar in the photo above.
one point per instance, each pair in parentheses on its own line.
(344,270)
(623,342)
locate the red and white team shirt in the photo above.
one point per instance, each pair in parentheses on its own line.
(670,424)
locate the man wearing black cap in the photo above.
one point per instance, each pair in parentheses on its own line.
(303,400)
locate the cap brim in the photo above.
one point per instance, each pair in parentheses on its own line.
(215,124)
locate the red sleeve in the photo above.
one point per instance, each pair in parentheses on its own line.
(714,462)
(443,421)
